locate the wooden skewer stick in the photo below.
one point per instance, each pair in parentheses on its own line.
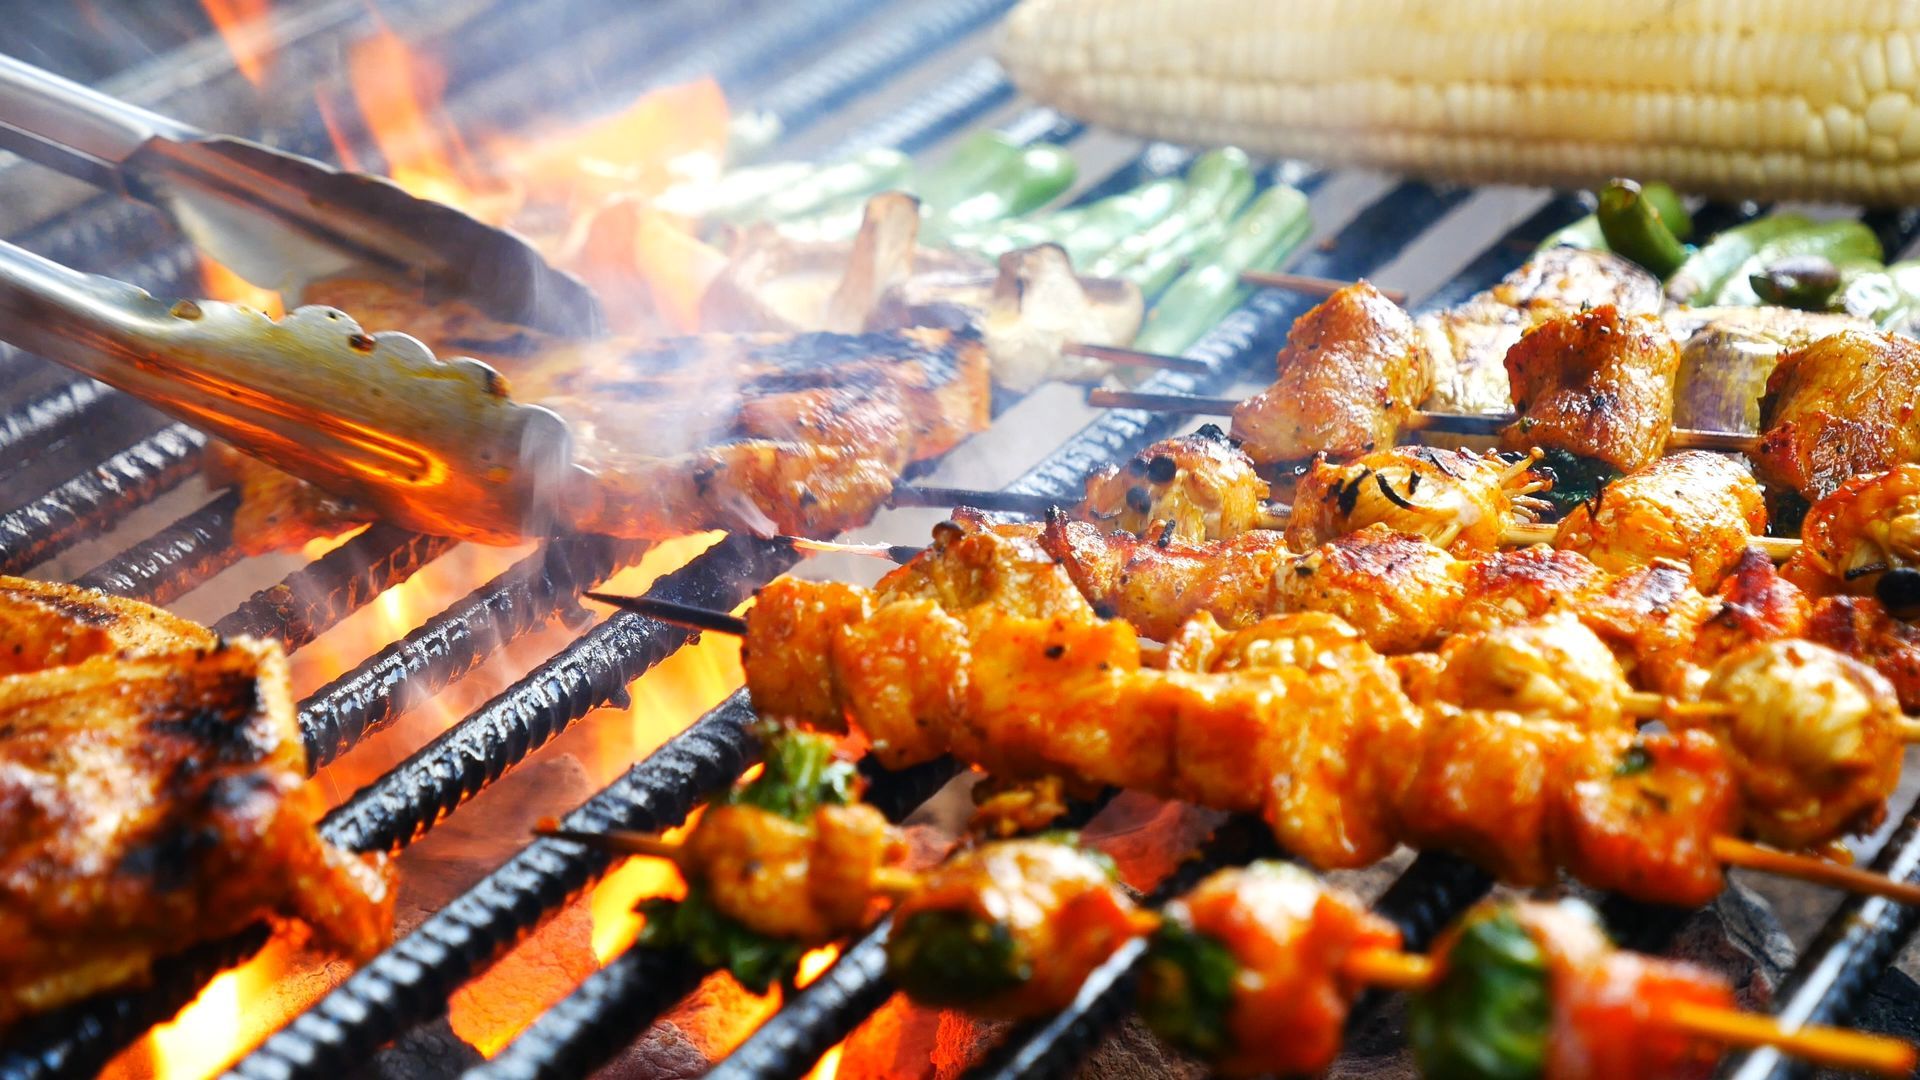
(1778,548)
(897,553)
(1837,1048)
(1307,285)
(1813,869)
(1123,357)
(891,881)
(1453,423)
(1011,502)
(695,618)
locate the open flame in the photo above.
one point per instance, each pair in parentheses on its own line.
(242,25)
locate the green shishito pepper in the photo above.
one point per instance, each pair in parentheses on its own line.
(1634,227)
(955,958)
(1218,184)
(1586,232)
(801,775)
(1269,229)
(1846,243)
(1186,990)
(1489,1016)
(1889,297)
(1576,479)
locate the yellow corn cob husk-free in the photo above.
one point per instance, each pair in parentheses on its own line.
(1811,99)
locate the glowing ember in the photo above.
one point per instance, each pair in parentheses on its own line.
(242,25)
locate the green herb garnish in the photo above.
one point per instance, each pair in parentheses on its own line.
(1186,990)
(1488,1016)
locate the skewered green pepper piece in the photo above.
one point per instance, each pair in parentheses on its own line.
(1844,242)
(955,959)
(1187,990)
(1489,1015)
(1635,227)
(1271,227)
(801,774)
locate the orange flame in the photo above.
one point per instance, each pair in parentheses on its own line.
(241,24)
(399,93)
(221,283)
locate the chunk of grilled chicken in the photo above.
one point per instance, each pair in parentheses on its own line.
(1157,585)
(1838,408)
(1861,628)
(1868,525)
(1696,508)
(1349,378)
(1597,385)
(1554,667)
(1192,487)
(1517,584)
(150,796)
(1466,345)
(1291,937)
(1459,500)
(809,880)
(1815,738)
(1055,913)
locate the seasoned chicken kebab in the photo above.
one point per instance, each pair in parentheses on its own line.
(149,798)
(1516,747)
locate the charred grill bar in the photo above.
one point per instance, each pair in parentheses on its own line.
(761,58)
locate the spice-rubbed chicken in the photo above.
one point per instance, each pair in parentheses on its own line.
(1192,487)
(1461,501)
(1695,508)
(1864,539)
(1838,408)
(1596,386)
(1349,379)
(1010,929)
(149,797)
(1467,345)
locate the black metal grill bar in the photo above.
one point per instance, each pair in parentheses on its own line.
(177,559)
(454,642)
(80,1039)
(413,979)
(592,672)
(44,420)
(91,501)
(1854,948)
(312,599)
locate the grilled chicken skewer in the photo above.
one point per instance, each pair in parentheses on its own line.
(967,661)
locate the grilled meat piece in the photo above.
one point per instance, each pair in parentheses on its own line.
(1399,591)
(1754,603)
(1038,916)
(1509,586)
(1597,385)
(1814,736)
(1553,667)
(1694,507)
(1867,526)
(1156,585)
(1458,500)
(1193,487)
(808,880)
(1650,615)
(1838,408)
(1290,937)
(1861,628)
(1466,345)
(150,780)
(1349,378)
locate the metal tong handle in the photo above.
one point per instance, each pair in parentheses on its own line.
(435,445)
(72,128)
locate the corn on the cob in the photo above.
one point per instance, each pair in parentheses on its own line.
(1737,98)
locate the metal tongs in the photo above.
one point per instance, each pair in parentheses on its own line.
(435,445)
